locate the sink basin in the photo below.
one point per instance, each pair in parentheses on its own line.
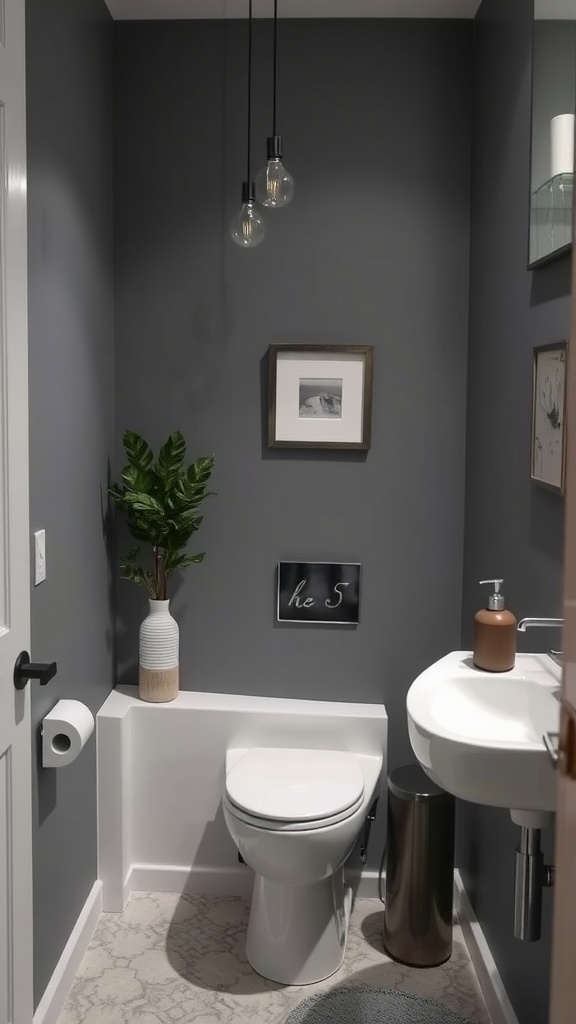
(479,734)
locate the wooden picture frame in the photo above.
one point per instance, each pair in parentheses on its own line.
(548,437)
(320,396)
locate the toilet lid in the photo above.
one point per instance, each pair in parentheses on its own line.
(295,785)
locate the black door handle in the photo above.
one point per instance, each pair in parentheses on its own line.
(24,669)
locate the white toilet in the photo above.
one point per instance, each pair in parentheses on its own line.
(295,815)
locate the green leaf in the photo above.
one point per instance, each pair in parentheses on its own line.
(152,533)
(137,479)
(177,560)
(200,471)
(138,452)
(185,520)
(171,457)
(116,493)
(142,502)
(136,574)
(177,541)
(193,559)
(189,496)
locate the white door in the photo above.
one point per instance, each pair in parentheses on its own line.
(16,998)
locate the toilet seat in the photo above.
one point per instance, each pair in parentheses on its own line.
(285,789)
(276,825)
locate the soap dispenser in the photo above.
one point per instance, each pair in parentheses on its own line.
(494,633)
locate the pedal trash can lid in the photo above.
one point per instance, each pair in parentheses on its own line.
(411,783)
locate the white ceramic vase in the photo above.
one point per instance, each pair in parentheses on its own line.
(158,678)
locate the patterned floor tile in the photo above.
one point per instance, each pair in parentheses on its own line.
(171,959)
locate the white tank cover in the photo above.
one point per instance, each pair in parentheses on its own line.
(295,785)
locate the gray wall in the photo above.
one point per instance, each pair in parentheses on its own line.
(69,85)
(554,78)
(513,529)
(373,250)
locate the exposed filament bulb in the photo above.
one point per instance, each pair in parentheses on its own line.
(274,184)
(248,228)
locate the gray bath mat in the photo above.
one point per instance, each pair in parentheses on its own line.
(361,1004)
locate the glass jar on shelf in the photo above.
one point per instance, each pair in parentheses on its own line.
(551,216)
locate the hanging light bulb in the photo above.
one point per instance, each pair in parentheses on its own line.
(274,185)
(248,227)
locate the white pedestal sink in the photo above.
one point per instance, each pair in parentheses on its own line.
(479,734)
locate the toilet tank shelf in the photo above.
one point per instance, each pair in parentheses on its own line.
(161,772)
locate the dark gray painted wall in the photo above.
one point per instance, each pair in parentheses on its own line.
(373,250)
(381,222)
(554,78)
(69,109)
(513,529)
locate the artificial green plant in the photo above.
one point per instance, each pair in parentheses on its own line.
(161,498)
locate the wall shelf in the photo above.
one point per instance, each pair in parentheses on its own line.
(551,216)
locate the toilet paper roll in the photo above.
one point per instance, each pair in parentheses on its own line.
(64,732)
(562,144)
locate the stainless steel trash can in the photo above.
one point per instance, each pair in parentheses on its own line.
(419,869)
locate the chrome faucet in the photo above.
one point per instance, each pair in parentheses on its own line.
(525,623)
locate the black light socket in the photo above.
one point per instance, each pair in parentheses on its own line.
(248,192)
(274,147)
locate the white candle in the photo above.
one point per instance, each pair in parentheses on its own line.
(562,144)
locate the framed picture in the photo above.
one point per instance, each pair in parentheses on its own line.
(327,592)
(320,396)
(548,417)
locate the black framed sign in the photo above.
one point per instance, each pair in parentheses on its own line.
(319,592)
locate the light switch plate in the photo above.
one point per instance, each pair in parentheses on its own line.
(39,557)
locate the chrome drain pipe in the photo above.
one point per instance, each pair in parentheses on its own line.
(531,876)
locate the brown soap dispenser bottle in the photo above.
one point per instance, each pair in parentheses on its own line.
(494,634)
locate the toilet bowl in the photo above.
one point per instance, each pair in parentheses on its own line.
(295,815)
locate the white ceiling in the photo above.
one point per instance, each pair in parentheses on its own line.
(135,10)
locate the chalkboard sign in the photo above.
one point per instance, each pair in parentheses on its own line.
(318,592)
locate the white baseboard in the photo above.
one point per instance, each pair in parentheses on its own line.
(126,890)
(365,884)
(497,1001)
(219,882)
(178,878)
(58,988)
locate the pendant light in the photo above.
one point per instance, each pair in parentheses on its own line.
(274,185)
(247,227)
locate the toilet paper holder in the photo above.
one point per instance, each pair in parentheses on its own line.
(24,670)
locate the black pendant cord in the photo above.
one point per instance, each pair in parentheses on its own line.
(275,62)
(248,178)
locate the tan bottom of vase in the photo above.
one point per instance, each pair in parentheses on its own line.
(158,685)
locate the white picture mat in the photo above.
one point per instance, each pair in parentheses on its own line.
(548,441)
(290,367)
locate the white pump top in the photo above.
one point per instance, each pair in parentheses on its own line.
(295,785)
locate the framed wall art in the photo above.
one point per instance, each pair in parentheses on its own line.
(548,443)
(320,396)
